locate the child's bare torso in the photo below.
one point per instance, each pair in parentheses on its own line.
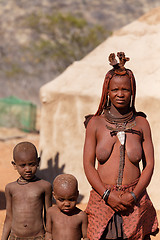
(68,227)
(27,208)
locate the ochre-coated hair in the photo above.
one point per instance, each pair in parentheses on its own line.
(105,89)
(65,181)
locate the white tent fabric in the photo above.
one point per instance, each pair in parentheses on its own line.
(76,93)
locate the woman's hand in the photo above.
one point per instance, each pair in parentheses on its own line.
(128,199)
(116,201)
(120,201)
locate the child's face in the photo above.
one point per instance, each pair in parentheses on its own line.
(66,199)
(26,165)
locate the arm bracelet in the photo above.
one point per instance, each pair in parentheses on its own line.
(106,195)
(134,196)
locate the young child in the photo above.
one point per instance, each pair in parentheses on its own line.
(64,220)
(27,198)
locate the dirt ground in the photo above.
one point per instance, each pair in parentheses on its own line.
(8,139)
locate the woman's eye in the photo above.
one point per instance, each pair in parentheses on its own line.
(114,90)
(126,89)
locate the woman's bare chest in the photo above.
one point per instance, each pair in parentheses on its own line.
(108,144)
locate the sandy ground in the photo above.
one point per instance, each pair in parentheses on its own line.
(8,139)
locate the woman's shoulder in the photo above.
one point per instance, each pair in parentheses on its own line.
(92,121)
(141,116)
(141,119)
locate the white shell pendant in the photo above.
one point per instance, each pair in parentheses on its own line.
(121,137)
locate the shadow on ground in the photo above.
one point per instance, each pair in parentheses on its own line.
(2,201)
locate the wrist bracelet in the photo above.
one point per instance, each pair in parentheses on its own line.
(134,196)
(106,195)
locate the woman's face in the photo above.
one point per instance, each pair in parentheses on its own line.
(120,91)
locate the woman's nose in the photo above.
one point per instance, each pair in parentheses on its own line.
(120,93)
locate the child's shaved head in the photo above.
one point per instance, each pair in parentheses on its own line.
(65,181)
(24,148)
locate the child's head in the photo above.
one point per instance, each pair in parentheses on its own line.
(65,192)
(26,159)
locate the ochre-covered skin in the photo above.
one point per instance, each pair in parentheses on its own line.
(65,220)
(118,97)
(27,198)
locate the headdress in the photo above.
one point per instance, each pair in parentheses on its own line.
(118,69)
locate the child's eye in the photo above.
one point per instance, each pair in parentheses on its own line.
(72,199)
(32,164)
(22,165)
(61,199)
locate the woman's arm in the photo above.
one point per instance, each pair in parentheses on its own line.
(8,218)
(148,158)
(89,157)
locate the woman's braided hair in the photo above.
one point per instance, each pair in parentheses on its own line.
(118,69)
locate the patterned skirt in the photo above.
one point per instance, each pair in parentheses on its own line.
(133,224)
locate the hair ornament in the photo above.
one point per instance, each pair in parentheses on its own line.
(118,67)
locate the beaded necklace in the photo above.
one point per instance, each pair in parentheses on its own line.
(123,123)
(22,181)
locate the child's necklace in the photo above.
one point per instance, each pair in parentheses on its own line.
(22,181)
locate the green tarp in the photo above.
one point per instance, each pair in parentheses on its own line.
(17,113)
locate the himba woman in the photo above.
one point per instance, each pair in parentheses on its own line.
(119,138)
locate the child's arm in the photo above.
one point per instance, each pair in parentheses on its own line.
(48,234)
(84,225)
(8,218)
(48,199)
